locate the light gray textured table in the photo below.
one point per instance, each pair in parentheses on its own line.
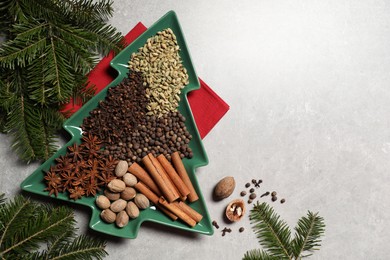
(308,86)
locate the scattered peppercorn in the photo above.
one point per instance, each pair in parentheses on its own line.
(252,196)
(273,193)
(243,193)
(252,190)
(282,201)
(215,224)
(241,229)
(250,201)
(247,185)
(254,181)
(274,198)
(264,194)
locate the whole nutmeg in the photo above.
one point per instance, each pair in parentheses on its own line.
(132,210)
(111,195)
(122,219)
(102,202)
(108,216)
(128,194)
(129,179)
(118,205)
(235,210)
(121,168)
(141,201)
(116,185)
(224,188)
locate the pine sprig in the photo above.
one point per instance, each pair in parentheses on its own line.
(273,233)
(49,49)
(257,254)
(275,236)
(308,232)
(25,225)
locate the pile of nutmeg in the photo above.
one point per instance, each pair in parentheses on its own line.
(121,201)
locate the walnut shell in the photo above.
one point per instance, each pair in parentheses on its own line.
(224,188)
(235,210)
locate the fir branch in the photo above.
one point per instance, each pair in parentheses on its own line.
(25,225)
(258,254)
(42,227)
(2,198)
(11,219)
(273,233)
(308,233)
(19,52)
(80,11)
(51,46)
(18,124)
(82,247)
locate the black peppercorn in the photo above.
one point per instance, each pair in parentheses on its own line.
(252,196)
(282,201)
(241,229)
(243,193)
(247,185)
(252,190)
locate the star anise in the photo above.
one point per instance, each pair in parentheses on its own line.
(76,193)
(68,178)
(91,142)
(75,152)
(107,164)
(53,182)
(92,172)
(81,180)
(91,189)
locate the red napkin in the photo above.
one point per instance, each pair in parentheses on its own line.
(207,107)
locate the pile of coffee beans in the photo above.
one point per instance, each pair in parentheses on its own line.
(127,133)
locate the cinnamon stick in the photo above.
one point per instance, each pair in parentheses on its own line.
(177,181)
(177,211)
(142,188)
(159,178)
(189,211)
(165,176)
(181,170)
(143,176)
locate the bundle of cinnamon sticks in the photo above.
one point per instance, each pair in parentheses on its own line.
(168,186)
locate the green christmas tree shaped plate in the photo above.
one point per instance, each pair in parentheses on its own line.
(35,182)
